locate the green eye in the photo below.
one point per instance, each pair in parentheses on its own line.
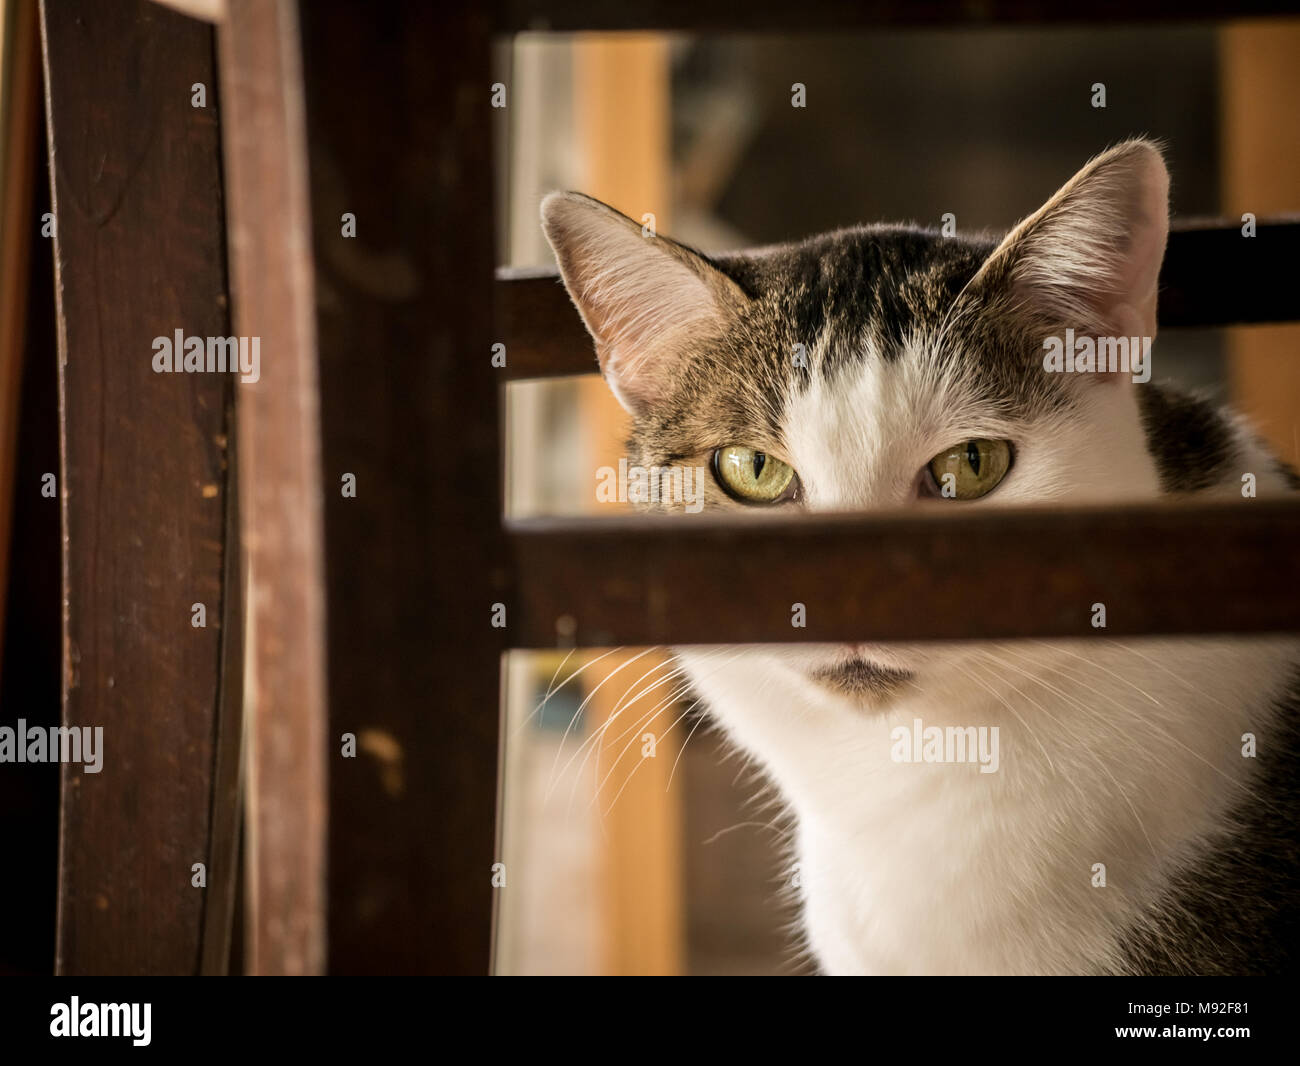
(971,469)
(753,477)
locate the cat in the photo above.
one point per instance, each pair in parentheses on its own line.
(1126,830)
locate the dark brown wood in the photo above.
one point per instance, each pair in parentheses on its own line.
(1212,276)
(719,15)
(280,487)
(228,774)
(400,124)
(540,327)
(30,670)
(1226,568)
(139,253)
(19,106)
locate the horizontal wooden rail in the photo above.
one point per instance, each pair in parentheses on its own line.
(988,574)
(1213,276)
(568,15)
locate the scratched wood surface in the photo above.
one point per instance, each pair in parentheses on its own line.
(139,253)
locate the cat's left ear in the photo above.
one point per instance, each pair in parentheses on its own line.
(643,297)
(1090,257)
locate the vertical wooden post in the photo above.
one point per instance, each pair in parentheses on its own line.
(19,96)
(399,104)
(30,643)
(280,482)
(138,255)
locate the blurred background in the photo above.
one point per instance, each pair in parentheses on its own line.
(626,862)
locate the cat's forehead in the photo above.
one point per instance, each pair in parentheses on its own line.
(850,334)
(859,435)
(855,291)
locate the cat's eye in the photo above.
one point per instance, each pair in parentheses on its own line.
(970,469)
(754,477)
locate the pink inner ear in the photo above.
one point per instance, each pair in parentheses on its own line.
(1140,274)
(1090,257)
(647,306)
(642,298)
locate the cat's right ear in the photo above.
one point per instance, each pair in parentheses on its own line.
(1090,257)
(641,296)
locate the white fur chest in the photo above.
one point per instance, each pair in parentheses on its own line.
(1114,757)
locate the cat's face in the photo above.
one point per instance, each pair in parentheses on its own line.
(881,368)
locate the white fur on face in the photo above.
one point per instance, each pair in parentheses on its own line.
(1120,753)
(860,442)
(1125,753)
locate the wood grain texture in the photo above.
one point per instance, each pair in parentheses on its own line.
(1160,568)
(228,771)
(139,253)
(280,488)
(399,124)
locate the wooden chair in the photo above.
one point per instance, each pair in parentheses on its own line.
(221,213)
